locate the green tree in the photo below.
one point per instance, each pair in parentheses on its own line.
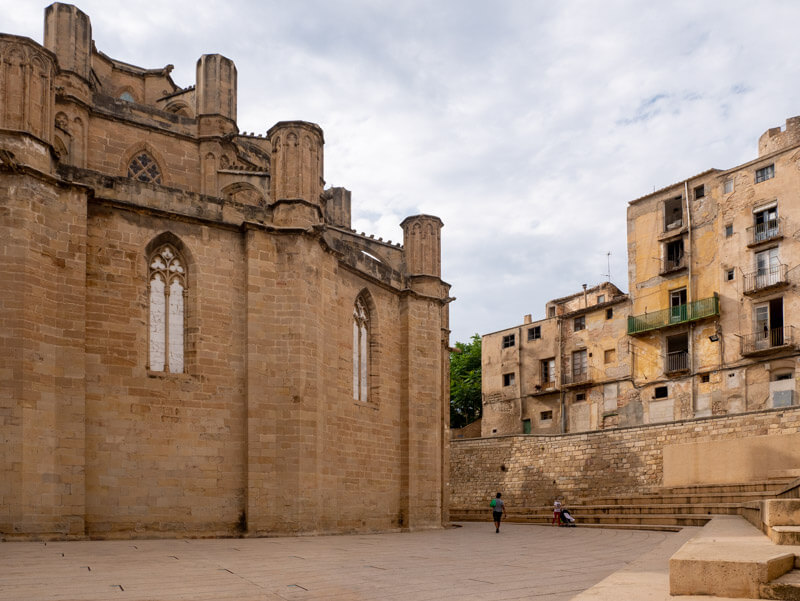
(465,383)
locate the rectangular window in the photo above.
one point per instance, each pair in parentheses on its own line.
(677,353)
(508,341)
(579,363)
(699,191)
(579,323)
(673,213)
(677,305)
(601,298)
(661,392)
(765,173)
(545,416)
(580,396)
(705,378)
(609,313)
(548,368)
(535,333)
(609,356)
(551,311)
(730,275)
(768,322)
(673,255)
(765,222)
(729,230)
(768,268)
(727,187)
(508,379)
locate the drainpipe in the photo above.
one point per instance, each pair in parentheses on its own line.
(689,296)
(559,338)
(689,290)
(519,369)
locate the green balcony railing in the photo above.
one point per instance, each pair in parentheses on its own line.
(700,309)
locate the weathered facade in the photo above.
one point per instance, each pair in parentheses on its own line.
(712,268)
(566,372)
(708,328)
(193,340)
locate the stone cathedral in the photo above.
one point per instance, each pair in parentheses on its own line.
(193,340)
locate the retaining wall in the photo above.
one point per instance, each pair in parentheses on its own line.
(531,470)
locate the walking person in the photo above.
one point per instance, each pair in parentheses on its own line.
(498,511)
(557,511)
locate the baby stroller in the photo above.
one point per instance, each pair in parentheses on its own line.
(566,518)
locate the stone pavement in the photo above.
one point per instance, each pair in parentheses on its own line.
(468,563)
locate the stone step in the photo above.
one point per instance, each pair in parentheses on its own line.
(649,527)
(785,535)
(770,486)
(679,509)
(785,587)
(728,558)
(652,519)
(578,510)
(708,497)
(591,518)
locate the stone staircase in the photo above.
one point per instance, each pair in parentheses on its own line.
(783,587)
(667,509)
(732,558)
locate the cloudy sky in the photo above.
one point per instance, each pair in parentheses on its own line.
(526,126)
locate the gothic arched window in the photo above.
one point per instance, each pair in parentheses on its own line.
(167,291)
(360,350)
(144,169)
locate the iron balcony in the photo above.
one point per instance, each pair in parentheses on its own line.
(707,307)
(677,361)
(576,379)
(768,341)
(764,232)
(765,278)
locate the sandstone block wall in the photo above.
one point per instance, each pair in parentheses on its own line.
(256,430)
(531,470)
(42,367)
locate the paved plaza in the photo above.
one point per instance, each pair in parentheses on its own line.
(464,563)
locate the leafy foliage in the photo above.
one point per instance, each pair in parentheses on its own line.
(465,383)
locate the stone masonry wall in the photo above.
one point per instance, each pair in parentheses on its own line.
(163,451)
(42,377)
(254,429)
(531,470)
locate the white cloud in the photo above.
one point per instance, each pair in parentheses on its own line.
(526,126)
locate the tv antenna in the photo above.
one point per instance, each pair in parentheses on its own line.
(608,259)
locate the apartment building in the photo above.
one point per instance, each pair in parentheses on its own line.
(566,372)
(707,327)
(713,279)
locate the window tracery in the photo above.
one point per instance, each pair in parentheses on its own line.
(144,169)
(360,351)
(167,295)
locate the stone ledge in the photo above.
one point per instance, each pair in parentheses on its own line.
(730,558)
